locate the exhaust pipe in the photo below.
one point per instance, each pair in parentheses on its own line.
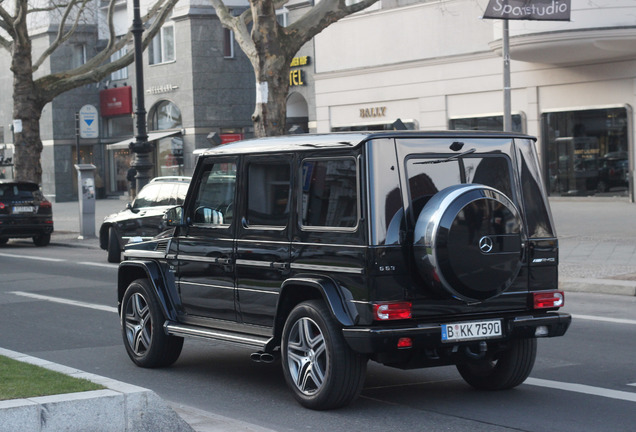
(263,357)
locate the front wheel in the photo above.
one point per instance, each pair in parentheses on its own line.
(114,250)
(318,365)
(505,370)
(141,324)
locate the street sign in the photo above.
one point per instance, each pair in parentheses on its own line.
(89,122)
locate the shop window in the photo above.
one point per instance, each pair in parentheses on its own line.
(330,193)
(120,126)
(493,123)
(165,115)
(586,151)
(161,49)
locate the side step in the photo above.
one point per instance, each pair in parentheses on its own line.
(177,329)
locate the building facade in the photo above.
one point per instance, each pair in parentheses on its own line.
(438,65)
(198,90)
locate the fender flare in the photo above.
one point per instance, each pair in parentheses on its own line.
(334,295)
(131,270)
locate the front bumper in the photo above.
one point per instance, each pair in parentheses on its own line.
(373,340)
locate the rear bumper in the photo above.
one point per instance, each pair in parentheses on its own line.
(369,340)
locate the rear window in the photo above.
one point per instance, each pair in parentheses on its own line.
(26,191)
(427,176)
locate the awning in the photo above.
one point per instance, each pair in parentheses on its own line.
(152,136)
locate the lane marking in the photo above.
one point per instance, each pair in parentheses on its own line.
(65,301)
(604,319)
(95,264)
(582,388)
(32,257)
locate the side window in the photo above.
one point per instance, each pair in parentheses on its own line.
(268,193)
(329,193)
(181,191)
(214,204)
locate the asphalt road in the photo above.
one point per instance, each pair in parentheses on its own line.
(58,303)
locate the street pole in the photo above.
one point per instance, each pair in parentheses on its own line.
(140,147)
(507,118)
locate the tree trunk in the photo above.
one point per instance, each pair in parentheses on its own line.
(27,108)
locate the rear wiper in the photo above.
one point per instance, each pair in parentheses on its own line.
(448,159)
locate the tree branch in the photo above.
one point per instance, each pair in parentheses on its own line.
(62,36)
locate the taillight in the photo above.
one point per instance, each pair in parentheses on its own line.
(392,311)
(548,300)
(1,205)
(45,204)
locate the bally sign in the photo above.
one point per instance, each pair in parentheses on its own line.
(538,10)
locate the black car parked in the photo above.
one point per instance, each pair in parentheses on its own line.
(24,212)
(411,249)
(143,218)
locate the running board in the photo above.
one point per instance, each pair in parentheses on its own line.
(176,329)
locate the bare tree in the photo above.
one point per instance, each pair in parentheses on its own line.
(271,48)
(30,95)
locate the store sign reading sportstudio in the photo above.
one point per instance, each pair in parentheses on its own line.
(297,76)
(539,10)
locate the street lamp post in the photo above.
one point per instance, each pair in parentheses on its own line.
(140,147)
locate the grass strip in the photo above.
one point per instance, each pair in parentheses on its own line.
(23,380)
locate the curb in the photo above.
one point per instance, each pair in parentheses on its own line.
(598,286)
(120,407)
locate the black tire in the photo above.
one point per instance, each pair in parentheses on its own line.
(3,241)
(142,328)
(114,250)
(319,367)
(508,369)
(602,186)
(42,240)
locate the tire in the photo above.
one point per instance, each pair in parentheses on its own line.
(3,241)
(318,365)
(507,370)
(602,186)
(468,242)
(114,250)
(42,240)
(142,328)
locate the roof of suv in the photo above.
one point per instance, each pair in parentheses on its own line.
(339,140)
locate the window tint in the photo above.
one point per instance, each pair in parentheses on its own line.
(214,204)
(330,193)
(268,196)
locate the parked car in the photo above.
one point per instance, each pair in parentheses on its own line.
(613,171)
(411,249)
(24,212)
(143,218)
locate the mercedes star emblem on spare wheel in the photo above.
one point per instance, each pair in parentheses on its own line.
(485,244)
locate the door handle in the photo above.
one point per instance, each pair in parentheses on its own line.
(279,265)
(224,261)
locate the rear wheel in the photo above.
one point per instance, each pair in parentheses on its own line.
(42,239)
(504,370)
(141,324)
(318,365)
(114,250)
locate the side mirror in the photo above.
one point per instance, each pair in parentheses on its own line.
(129,206)
(174,217)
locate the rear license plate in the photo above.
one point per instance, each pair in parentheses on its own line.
(466,331)
(23,209)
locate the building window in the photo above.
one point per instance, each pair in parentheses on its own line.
(122,73)
(161,49)
(282,16)
(586,152)
(165,115)
(228,43)
(494,123)
(119,126)
(79,55)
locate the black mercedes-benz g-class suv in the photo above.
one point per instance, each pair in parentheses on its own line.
(412,249)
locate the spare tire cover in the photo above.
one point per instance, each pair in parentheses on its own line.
(468,242)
